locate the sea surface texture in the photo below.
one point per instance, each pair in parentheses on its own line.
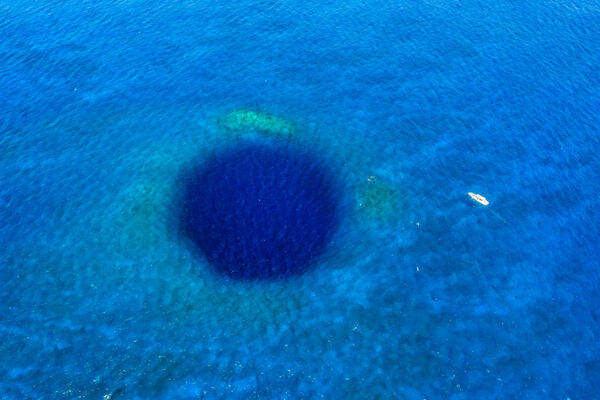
(342,257)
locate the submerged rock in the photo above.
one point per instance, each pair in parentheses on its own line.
(139,215)
(378,198)
(248,120)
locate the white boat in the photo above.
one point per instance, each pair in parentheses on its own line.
(479,198)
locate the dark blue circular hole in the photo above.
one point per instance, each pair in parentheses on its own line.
(261,211)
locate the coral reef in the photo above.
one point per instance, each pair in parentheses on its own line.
(248,120)
(378,198)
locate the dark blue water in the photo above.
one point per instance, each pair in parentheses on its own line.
(259,211)
(409,289)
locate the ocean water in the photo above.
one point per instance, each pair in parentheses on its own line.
(415,292)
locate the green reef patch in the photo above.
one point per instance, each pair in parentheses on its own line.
(249,120)
(378,199)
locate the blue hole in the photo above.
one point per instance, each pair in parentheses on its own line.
(261,211)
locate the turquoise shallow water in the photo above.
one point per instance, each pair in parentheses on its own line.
(421,293)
